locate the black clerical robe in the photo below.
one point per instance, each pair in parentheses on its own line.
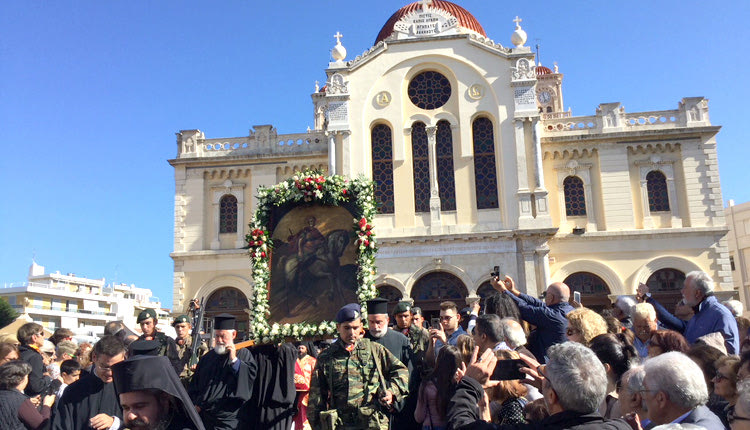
(396,343)
(220,388)
(82,400)
(273,405)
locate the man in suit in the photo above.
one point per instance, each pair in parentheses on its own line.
(675,391)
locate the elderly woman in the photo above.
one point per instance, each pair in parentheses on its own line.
(725,383)
(666,341)
(507,397)
(16,410)
(584,325)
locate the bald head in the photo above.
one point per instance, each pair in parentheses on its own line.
(557,292)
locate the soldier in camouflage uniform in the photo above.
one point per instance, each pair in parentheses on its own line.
(184,341)
(147,320)
(346,379)
(419,340)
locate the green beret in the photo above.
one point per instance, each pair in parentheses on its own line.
(146,314)
(181,319)
(402,307)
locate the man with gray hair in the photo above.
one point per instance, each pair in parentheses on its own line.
(514,336)
(488,334)
(710,315)
(630,394)
(675,391)
(644,325)
(622,309)
(574,384)
(734,306)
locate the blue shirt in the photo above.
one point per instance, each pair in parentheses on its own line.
(710,317)
(550,321)
(452,339)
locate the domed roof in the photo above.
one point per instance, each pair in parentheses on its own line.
(465,19)
(541,70)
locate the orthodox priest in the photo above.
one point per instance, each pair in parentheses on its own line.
(152,397)
(379,332)
(223,380)
(91,402)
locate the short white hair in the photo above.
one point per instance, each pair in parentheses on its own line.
(702,281)
(645,311)
(513,331)
(734,306)
(625,304)
(679,377)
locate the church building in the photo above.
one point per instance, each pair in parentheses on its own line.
(477,164)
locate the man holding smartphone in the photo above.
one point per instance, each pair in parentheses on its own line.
(447,332)
(548,316)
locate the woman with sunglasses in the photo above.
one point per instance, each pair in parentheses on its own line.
(725,383)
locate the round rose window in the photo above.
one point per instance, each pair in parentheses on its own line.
(429,90)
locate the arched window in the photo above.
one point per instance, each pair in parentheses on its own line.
(227,300)
(389,292)
(484,291)
(593,290)
(664,280)
(549,109)
(446,182)
(421,165)
(228,214)
(658,197)
(575,199)
(485,177)
(438,286)
(382,167)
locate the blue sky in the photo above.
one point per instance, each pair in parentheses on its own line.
(92,92)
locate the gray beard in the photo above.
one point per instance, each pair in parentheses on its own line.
(378,334)
(220,349)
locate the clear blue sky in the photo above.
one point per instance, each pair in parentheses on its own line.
(92,92)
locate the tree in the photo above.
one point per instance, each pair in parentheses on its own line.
(7,313)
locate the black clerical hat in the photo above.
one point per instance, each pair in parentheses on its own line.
(377,306)
(145,372)
(144,347)
(224,322)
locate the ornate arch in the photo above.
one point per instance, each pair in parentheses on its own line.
(393,282)
(666,262)
(219,282)
(419,117)
(439,266)
(597,268)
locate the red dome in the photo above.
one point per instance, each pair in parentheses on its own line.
(541,70)
(465,19)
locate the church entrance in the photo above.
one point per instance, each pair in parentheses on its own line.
(665,286)
(436,287)
(594,291)
(231,301)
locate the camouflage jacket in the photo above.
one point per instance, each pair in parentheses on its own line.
(419,339)
(349,382)
(168,348)
(184,352)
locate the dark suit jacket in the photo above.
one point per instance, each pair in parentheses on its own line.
(701,416)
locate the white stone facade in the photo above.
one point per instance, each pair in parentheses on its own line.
(536,145)
(738,218)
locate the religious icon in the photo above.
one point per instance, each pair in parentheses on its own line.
(313,264)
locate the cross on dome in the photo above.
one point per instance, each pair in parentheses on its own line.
(518,21)
(338,37)
(425,3)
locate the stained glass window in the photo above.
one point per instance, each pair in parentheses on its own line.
(439,286)
(575,199)
(429,90)
(485,177)
(228,214)
(446,182)
(666,280)
(658,198)
(421,165)
(382,167)
(389,292)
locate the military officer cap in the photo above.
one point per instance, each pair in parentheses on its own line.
(377,306)
(224,322)
(181,319)
(146,314)
(402,307)
(349,312)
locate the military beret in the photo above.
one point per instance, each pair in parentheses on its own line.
(146,314)
(377,306)
(402,307)
(180,319)
(349,312)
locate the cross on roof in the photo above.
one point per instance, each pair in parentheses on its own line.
(425,3)
(338,37)
(517,21)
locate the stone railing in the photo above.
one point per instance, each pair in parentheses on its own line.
(263,140)
(556,115)
(612,118)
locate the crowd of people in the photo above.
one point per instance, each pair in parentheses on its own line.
(514,362)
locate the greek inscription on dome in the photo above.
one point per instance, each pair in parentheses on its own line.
(427,21)
(476,92)
(383,98)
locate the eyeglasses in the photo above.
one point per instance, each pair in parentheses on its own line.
(731,417)
(720,376)
(571,332)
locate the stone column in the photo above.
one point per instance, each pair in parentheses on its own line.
(647,221)
(525,218)
(538,169)
(331,153)
(434,189)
